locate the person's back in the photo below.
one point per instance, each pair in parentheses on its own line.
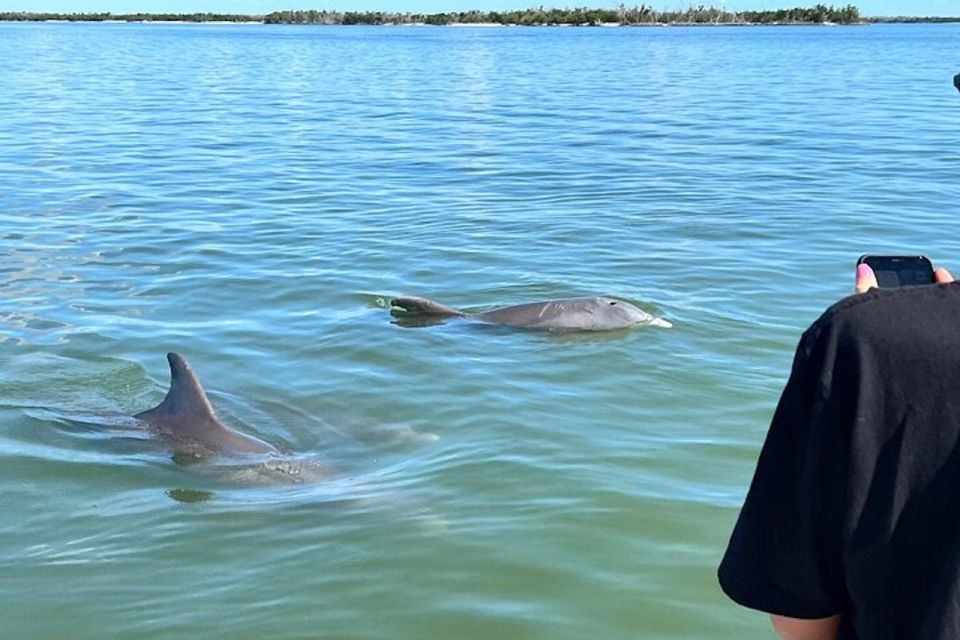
(855,505)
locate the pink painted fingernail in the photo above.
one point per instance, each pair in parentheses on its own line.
(863,271)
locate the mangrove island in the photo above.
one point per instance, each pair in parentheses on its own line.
(622,15)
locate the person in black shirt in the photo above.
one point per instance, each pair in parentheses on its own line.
(851,527)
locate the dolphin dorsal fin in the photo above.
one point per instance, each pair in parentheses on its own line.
(185,396)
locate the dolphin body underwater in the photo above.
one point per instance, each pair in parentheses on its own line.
(186,419)
(572,314)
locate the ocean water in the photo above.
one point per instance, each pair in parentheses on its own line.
(252,196)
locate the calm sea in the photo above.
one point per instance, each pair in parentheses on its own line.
(252,196)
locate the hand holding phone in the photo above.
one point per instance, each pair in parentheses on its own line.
(899,271)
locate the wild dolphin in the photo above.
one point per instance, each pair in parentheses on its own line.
(571,314)
(187,420)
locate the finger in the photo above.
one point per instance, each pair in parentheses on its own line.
(866,279)
(942,276)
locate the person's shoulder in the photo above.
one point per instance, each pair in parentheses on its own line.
(882,301)
(880,309)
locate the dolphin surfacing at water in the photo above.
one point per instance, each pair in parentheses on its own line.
(598,313)
(187,420)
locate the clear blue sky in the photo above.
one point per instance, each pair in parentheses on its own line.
(867,7)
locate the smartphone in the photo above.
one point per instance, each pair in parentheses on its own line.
(899,271)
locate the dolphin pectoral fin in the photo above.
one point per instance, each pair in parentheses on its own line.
(423,307)
(660,322)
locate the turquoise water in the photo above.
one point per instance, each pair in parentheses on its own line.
(251,197)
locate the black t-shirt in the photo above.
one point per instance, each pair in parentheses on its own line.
(855,504)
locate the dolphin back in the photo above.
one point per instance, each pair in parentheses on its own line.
(598,313)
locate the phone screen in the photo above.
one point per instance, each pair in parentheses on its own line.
(900,271)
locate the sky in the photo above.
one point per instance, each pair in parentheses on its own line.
(867,7)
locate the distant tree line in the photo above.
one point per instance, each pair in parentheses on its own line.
(913,19)
(622,15)
(29,16)
(636,15)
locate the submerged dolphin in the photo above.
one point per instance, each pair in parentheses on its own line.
(572,314)
(186,418)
